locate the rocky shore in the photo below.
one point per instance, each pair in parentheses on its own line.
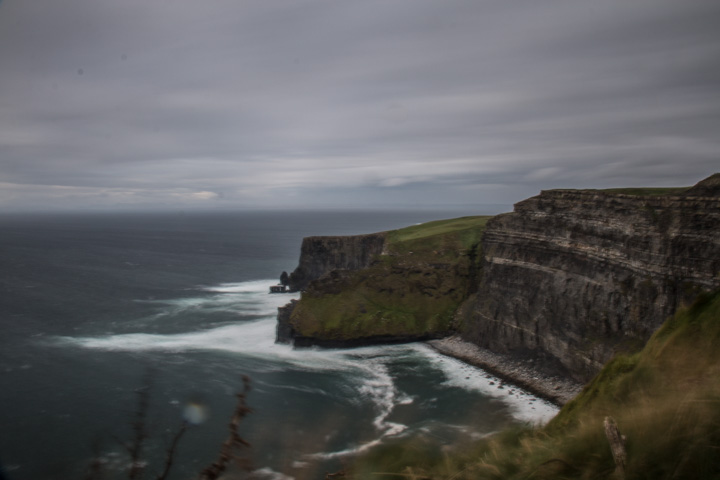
(555,388)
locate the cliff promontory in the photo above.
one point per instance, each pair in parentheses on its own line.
(395,286)
(574,276)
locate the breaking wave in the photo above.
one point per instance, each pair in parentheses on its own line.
(364,370)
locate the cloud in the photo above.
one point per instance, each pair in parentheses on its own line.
(323,100)
(202,195)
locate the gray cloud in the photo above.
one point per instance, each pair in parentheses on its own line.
(232,103)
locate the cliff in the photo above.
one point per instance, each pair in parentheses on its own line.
(396,286)
(573,276)
(570,277)
(320,255)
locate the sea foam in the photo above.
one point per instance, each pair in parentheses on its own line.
(364,370)
(523,405)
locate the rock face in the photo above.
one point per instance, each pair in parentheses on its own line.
(284,331)
(320,255)
(573,276)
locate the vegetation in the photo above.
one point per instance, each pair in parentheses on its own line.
(464,232)
(665,399)
(230,452)
(412,291)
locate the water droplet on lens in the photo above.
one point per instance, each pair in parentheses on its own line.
(195,413)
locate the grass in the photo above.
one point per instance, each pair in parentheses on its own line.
(413,291)
(438,229)
(442,239)
(665,399)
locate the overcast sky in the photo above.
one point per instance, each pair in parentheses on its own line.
(182,104)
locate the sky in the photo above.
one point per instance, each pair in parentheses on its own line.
(243,104)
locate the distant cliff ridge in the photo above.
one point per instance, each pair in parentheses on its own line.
(320,255)
(574,275)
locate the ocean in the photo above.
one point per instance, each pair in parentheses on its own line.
(96,308)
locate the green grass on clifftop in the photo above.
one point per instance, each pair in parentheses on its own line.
(665,399)
(468,227)
(412,291)
(445,240)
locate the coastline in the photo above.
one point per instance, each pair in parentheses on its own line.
(556,389)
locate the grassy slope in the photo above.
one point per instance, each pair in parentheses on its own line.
(466,229)
(413,290)
(666,400)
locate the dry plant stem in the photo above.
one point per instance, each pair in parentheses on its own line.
(95,470)
(139,428)
(171,451)
(234,440)
(617,446)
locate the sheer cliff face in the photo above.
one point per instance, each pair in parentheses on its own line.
(320,255)
(576,275)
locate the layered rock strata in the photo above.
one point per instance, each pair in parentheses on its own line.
(572,276)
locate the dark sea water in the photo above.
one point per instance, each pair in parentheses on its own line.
(92,305)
